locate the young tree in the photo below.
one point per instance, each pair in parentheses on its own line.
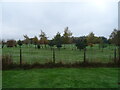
(81,43)
(91,39)
(27,40)
(20,44)
(115,37)
(11,43)
(103,42)
(66,36)
(43,38)
(58,40)
(51,43)
(35,41)
(31,40)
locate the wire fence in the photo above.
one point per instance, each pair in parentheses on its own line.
(67,54)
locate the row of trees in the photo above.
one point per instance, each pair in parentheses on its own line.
(58,40)
(67,38)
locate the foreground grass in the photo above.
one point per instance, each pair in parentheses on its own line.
(61,78)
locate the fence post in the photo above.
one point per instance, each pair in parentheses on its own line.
(118,54)
(84,55)
(53,55)
(20,56)
(115,55)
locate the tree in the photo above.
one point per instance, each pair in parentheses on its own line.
(31,40)
(11,43)
(96,40)
(66,36)
(51,43)
(43,38)
(91,39)
(35,41)
(58,40)
(115,37)
(20,44)
(81,43)
(27,40)
(103,42)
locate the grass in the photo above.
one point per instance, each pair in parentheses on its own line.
(68,55)
(61,78)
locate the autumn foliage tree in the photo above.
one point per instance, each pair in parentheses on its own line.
(35,41)
(66,36)
(90,39)
(43,38)
(26,40)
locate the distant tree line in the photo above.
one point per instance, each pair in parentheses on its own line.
(67,38)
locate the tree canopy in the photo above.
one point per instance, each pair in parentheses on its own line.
(43,38)
(58,40)
(81,43)
(66,36)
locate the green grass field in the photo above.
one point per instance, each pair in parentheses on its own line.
(61,78)
(70,54)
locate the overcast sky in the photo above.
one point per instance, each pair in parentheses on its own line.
(20,18)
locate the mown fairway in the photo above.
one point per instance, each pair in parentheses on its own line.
(30,54)
(61,78)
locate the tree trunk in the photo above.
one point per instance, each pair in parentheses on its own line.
(45,46)
(64,46)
